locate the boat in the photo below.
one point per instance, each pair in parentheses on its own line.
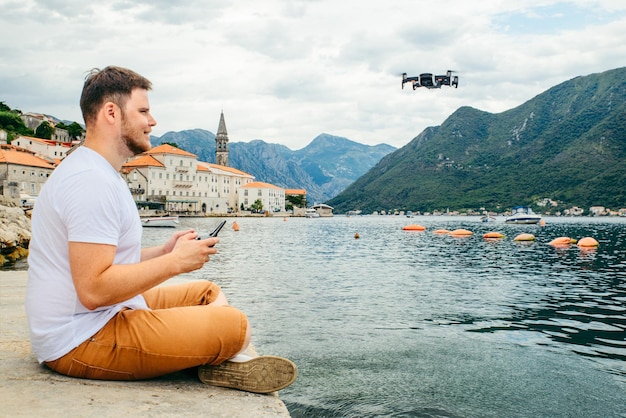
(523,215)
(487,218)
(160,221)
(311,213)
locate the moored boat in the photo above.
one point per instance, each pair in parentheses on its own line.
(523,215)
(160,221)
(311,213)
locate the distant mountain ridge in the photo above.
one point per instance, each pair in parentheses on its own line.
(567,144)
(324,168)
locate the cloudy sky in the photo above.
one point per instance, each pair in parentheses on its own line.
(287,70)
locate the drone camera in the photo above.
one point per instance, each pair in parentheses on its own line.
(429,81)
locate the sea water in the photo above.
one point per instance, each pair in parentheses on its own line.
(415,324)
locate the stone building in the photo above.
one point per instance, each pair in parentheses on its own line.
(54,151)
(22,173)
(183,184)
(272,197)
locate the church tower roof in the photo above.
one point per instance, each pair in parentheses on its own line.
(221,129)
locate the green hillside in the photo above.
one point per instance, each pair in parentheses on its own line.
(567,144)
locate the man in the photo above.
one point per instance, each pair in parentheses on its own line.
(93,305)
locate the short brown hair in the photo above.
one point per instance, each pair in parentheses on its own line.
(111,84)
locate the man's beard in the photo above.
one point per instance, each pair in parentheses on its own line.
(134,145)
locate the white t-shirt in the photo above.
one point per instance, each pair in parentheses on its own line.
(84,200)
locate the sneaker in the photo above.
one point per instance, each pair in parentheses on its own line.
(262,374)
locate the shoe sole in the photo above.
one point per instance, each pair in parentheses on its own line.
(263,374)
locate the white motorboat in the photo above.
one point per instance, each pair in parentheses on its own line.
(160,221)
(311,213)
(523,215)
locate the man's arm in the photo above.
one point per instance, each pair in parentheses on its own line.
(99,282)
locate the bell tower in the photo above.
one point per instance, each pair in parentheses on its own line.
(221,143)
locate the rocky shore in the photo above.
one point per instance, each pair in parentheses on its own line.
(15,232)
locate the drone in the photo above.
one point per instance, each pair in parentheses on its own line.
(427,80)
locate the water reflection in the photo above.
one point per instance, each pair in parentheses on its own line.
(575,296)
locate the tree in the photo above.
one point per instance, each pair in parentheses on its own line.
(257,206)
(296,200)
(13,124)
(44,130)
(75,130)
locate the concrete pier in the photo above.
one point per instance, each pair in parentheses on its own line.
(28,389)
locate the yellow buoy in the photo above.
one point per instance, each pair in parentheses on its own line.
(413,227)
(588,242)
(524,237)
(493,235)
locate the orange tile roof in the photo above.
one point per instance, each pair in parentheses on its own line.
(168,149)
(143,161)
(295,191)
(260,185)
(225,168)
(15,155)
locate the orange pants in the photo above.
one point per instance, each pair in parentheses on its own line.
(181,330)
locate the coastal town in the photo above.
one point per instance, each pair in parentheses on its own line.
(165,179)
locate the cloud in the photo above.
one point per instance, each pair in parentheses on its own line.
(286,71)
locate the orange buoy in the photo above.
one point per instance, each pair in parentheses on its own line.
(356,236)
(235,226)
(493,235)
(441,231)
(588,242)
(461,232)
(524,237)
(413,227)
(561,242)
(542,222)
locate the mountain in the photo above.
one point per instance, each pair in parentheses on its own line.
(324,168)
(567,144)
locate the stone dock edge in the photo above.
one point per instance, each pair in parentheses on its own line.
(28,389)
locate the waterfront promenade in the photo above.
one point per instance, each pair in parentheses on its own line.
(30,390)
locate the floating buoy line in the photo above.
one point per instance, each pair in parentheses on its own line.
(560,242)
